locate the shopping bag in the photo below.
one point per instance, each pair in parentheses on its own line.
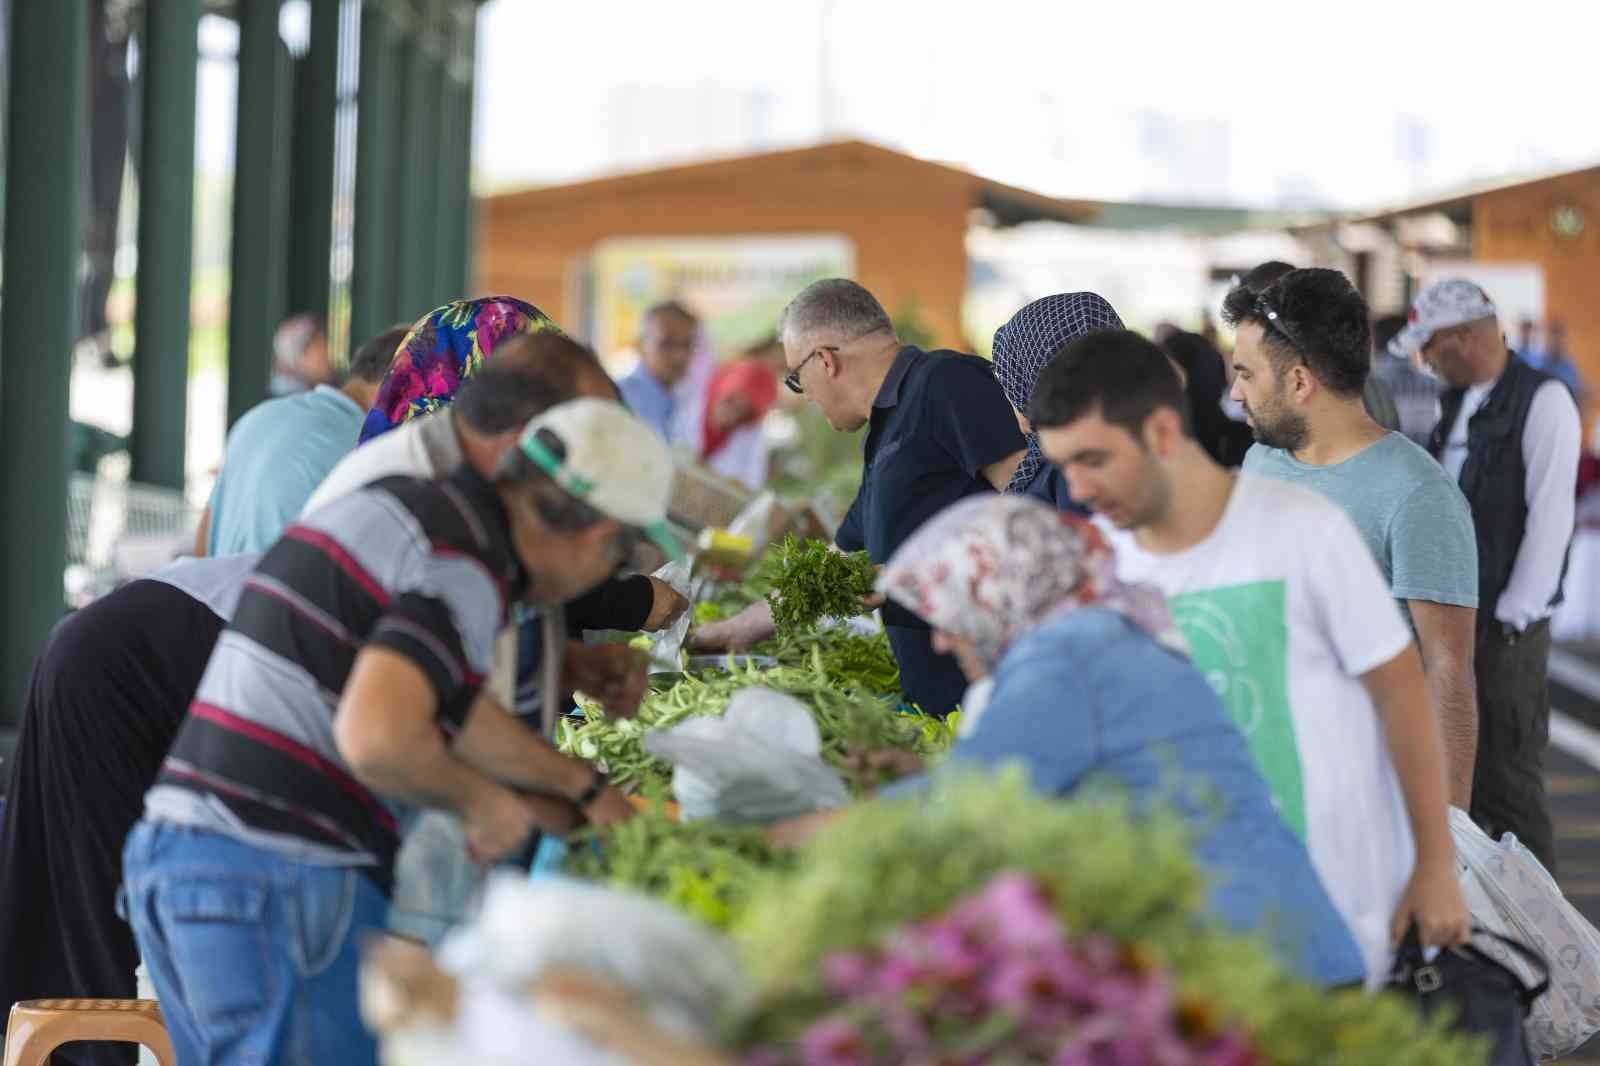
(1486,998)
(759,762)
(1511,893)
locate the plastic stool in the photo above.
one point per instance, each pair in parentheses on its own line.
(38,1026)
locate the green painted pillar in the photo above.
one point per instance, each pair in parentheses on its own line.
(455,209)
(311,200)
(259,268)
(419,171)
(47,47)
(373,271)
(168,57)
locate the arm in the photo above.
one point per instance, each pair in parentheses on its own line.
(385,729)
(1432,899)
(202,533)
(1550,446)
(1446,637)
(999,474)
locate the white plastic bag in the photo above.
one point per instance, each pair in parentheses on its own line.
(680,973)
(760,762)
(684,973)
(1511,893)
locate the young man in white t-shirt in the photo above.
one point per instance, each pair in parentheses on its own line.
(1286,612)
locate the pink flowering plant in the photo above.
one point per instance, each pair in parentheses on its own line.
(996,980)
(989,925)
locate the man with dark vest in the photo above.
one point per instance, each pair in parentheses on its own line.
(1510,436)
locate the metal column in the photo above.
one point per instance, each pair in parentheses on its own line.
(450,278)
(258,271)
(374,270)
(419,169)
(311,203)
(168,58)
(47,46)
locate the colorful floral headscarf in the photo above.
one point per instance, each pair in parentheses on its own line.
(992,568)
(443,349)
(1024,346)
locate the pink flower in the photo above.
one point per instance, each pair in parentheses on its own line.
(1013,912)
(833,1041)
(847,972)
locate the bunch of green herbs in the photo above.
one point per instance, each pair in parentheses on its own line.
(813,582)
(890,863)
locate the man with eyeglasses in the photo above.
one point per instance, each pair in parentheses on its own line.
(1509,435)
(939,429)
(1301,358)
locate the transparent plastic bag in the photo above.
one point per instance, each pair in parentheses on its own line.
(436,884)
(1510,892)
(759,762)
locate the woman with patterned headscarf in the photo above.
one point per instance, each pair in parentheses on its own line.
(1023,347)
(1088,680)
(443,349)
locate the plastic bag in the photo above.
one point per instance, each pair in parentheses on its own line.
(1510,892)
(760,762)
(436,884)
(684,973)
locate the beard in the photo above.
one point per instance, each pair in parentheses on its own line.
(1280,429)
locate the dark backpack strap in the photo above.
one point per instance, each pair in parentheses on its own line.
(1539,962)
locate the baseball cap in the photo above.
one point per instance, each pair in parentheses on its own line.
(611,460)
(1451,302)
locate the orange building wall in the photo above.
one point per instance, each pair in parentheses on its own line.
(908,228)
(1514,225)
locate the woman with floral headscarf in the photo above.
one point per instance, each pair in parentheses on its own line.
(1080,677)
(1023,347)
(443,349)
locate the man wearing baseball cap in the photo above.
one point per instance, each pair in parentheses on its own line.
(1510,436)
(345,695)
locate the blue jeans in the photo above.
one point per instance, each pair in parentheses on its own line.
(254,957)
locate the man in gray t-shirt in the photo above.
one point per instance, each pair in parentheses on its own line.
(1301,360)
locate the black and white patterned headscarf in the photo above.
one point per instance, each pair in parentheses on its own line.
(1024,346)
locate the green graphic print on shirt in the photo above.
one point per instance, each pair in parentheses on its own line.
(1239,638)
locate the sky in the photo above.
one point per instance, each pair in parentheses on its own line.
(1352,103)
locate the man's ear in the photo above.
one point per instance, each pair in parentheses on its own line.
(1163,430)
(1302,383)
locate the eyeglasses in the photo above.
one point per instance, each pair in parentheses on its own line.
(792,379)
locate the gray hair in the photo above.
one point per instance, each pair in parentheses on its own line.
(836,304)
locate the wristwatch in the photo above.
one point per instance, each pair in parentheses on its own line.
(592,793)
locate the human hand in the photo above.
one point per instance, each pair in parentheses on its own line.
(750,626)
(614,674)
(609,807)
(1434,903)
(499,821)
(668,604)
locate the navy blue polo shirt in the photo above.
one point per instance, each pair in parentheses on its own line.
(938,420)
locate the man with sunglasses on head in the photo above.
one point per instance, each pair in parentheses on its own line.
(1509,435)
(939,429)
(1301,358)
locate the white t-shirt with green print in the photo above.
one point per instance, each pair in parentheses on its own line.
(1284,610)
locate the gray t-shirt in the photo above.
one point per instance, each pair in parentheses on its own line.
(1411,515)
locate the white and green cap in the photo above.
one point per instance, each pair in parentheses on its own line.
(611,460)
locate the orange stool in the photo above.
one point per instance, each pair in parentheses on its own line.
(38,1026)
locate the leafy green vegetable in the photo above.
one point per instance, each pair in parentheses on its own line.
(887,863)
(813,582)
(850,719)
(850,659)
(704,868)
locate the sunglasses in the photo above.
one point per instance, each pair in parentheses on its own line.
(792,378)
(1276,321)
